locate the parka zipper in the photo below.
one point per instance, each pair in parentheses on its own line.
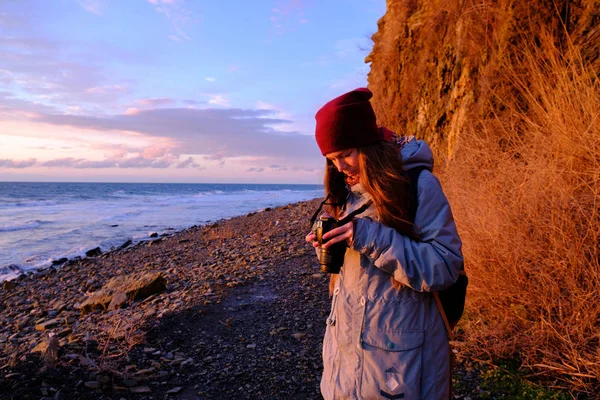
(363,303)
(331,319)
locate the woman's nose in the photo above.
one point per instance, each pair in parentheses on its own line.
(340,165)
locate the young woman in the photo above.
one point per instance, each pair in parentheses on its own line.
(385,337)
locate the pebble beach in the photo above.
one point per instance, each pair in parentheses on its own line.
(239,313)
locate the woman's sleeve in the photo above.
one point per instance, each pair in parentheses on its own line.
(431,264)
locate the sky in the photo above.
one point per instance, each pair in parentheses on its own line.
(194,91)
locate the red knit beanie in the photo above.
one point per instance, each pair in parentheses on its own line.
(347,121)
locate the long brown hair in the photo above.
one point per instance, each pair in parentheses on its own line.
(382,176)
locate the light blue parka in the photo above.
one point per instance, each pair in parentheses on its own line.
(384,343)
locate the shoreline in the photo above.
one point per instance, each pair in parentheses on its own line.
(201,265)
(53,263)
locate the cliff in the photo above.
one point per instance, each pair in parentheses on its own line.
(437,66)
(508,93)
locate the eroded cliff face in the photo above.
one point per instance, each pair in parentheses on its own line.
(438,65)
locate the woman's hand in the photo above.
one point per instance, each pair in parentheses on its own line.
(340,234)
(312,239)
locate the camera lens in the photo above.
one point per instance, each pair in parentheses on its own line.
(331,259)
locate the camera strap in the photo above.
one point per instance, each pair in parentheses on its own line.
(314,217)
(344,220)
(354,213)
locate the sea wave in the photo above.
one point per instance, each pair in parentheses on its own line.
(20,227)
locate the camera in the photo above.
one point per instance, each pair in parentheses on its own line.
(332,258)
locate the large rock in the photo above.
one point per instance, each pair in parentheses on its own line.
(124,288)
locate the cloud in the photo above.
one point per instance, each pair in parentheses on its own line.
(193,102)
(155,102)
(17,163)
(219,100)
(155,152)
(50,71)
(277,167)
(189,163)
(253,169)
(132,111)
(210,79)
(233,68)
(176,14)
(286,16)
(214,132)
(93,6)
(77,163)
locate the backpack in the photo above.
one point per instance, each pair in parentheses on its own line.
(450,301)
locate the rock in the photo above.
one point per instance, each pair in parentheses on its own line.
(175,390)
(130,382)
(251,346)
(140,389)
(146,371)
(60,261)
(93,252)
(13,375)
(153,234)
(117,301)
(93,384)
(48,324)
(136,286)
(65,332)
(40,348)
(8,285)
(59,305)
(126,244)
(299,335)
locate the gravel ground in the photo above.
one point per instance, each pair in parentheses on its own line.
(242,317)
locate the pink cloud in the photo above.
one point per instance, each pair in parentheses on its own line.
(153,102)
(132,111)
(155,152)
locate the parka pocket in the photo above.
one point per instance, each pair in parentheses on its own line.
(391,364)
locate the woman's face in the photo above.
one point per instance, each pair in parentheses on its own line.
(346,162)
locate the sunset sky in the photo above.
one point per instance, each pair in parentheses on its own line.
(173,90)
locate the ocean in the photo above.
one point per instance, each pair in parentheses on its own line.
(43,222)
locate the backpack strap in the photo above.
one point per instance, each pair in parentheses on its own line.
(449,333)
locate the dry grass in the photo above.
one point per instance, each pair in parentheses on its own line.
(525,189)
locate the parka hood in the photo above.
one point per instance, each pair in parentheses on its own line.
(415,154)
